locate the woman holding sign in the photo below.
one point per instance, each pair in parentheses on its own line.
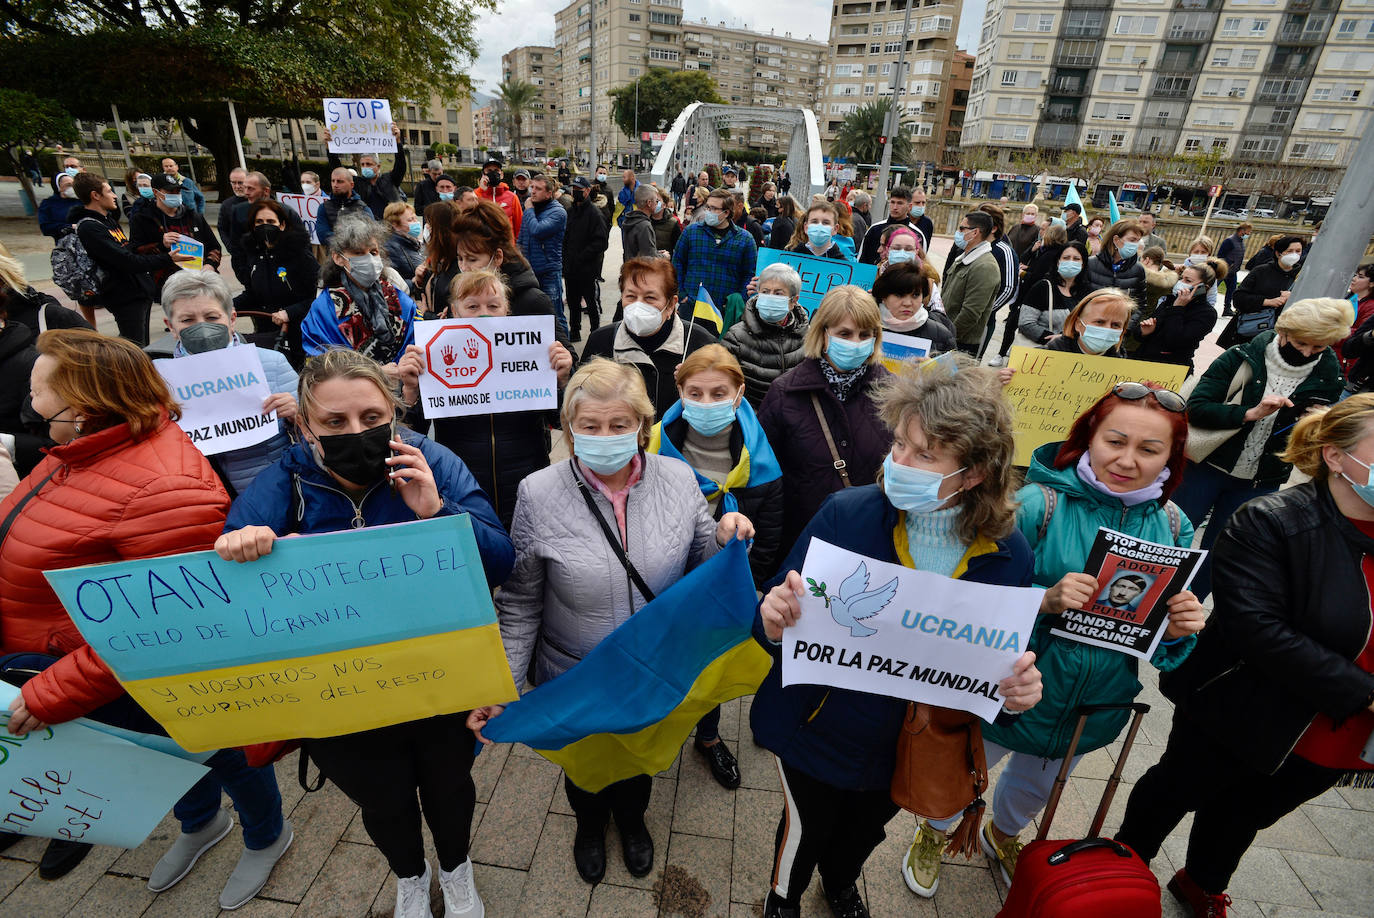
(903,293)
(1096,325)
(356,469)
(943,504)
(1275,705)
(124,482)
(1122,459)
(815,235)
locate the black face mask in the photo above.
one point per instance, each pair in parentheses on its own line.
(359,458)
(267,234)
(579,195)
(1294,357)
(493,179)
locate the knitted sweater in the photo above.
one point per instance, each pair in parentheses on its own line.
(932,540)
(1284,380)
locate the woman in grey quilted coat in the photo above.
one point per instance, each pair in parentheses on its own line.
(569,588)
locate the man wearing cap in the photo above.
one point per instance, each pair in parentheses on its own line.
(154,230)
(491,188)
(426,192)
(627,195)
(189,190)
(375,189)
(522,187)
(731,178)
(584,247)
(1073,223)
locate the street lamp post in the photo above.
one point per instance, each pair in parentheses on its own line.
(591,70)
(893,121)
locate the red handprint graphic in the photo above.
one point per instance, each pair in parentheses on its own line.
(470,348)
(448,355)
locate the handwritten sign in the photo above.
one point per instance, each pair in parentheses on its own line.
(359,125)
(221,394)
(898,349)
(307,207)
(329,634)
(487,365)
(1050,389)
(818,274)
(891,630)
(77,783)
(187,245)
(1135,581)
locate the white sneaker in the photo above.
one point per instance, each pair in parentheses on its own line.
(998,361)
(412,896)
(460,893)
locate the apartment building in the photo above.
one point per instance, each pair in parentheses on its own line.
(866,39)
(536,65)
(482,124)
(960,82)
(1271,86)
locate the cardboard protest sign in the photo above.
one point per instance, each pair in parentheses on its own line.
(359,125)
(221,394)
(307,207)
(76,783)
(818,274)
(1050,389)
(187,245)
(1135,581)
(891,630)
(897,349)
(488,365)
(327,635)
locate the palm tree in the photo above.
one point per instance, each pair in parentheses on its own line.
(860,136)
(517,97)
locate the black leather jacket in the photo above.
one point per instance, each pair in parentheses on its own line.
(1292,614)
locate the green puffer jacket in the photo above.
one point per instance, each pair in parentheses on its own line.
(1077,673)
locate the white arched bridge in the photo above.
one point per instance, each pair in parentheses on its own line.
(694,140)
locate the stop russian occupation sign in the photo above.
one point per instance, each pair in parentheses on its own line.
(486,365)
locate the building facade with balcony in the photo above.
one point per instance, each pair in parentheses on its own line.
(536,65)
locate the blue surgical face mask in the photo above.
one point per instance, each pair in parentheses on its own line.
(415,228)
(818,234)
(369,172)
(1178,287)
(914,490)
(958,239)
(918,211)
(446,196)
(1129,248)
(1070,269)
(711,218)
(772,307)
(172,199)
(1098,340)
(900,256)
(709,418)
(71,170)
(606,455)
(1366,490)
(145,192)
(849,355)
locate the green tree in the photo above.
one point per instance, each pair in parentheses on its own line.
(663,94)
(184,57)
(861,134)
(516,98)
(28,120)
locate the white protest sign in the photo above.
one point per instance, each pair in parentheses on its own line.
(307,207)
(487,365)
(221,394)
(891,630)
(359,125)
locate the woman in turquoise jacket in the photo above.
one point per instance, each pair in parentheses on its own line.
(1122,459)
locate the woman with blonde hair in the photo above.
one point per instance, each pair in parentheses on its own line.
(1274,705)
(820,415)
(1248,400)
(597,536)
(816,233)
(1096,324)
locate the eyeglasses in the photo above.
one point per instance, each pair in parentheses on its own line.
(964,229)
(1168,399)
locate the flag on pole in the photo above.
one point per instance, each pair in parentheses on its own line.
(705,309)
(1071,197)
(1112,210)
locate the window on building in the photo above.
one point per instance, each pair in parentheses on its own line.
(1211,87)
(634,17)
(1116,140)
(663,54)
(1249,57)
(1258,27)
(1192,145)
(1300,150)
(452,116)
(1230,26)
(1092,139)
(1009,77)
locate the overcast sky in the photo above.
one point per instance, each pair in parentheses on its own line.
(530,22)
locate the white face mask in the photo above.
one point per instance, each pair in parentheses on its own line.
(1289,259)
(641,319)
(308,188)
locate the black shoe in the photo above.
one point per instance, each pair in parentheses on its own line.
(775,907)
(724,767)
(61,857)
(637,845)
(589,851)
(575,335)
(847,903)
(1227,312)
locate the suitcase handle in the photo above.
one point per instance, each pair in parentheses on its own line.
(1063,854)
(1139,709)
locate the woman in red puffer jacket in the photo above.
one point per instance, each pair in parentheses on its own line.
(123,483)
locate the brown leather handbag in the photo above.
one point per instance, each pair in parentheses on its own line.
(942,770)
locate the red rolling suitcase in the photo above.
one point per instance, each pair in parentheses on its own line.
(1093,877)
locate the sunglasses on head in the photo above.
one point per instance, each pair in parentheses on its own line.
(1168,399)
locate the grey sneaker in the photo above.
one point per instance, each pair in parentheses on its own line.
(921,866)
(412,896)
(460,893)
(186,850)
(998,361)
(253,869)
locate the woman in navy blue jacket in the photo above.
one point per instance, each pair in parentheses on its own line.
(353,470)
(943,503)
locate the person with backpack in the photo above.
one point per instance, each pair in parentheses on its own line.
(1121,461)
(95,265)
(170,219)
(54,210)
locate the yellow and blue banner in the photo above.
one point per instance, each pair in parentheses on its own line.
(819,274)
(705,310)
(627,708)
(329,634)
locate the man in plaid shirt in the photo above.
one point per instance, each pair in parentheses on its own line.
(715,254)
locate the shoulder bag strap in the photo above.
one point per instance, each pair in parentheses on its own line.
(19,506)
(611,539)
(1051,501)
(840,465)
(1175,518)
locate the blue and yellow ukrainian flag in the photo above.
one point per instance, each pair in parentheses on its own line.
(757,463)
(705,310)
(627,708)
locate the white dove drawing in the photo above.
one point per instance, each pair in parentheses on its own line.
(856,602)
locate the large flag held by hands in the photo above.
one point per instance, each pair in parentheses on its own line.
(627,708)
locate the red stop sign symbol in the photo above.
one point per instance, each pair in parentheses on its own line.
(458,355)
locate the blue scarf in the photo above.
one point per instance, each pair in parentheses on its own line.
(757,464)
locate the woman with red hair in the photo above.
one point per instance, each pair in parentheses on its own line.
(1121,461)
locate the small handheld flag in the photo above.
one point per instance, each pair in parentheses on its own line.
(705,309)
